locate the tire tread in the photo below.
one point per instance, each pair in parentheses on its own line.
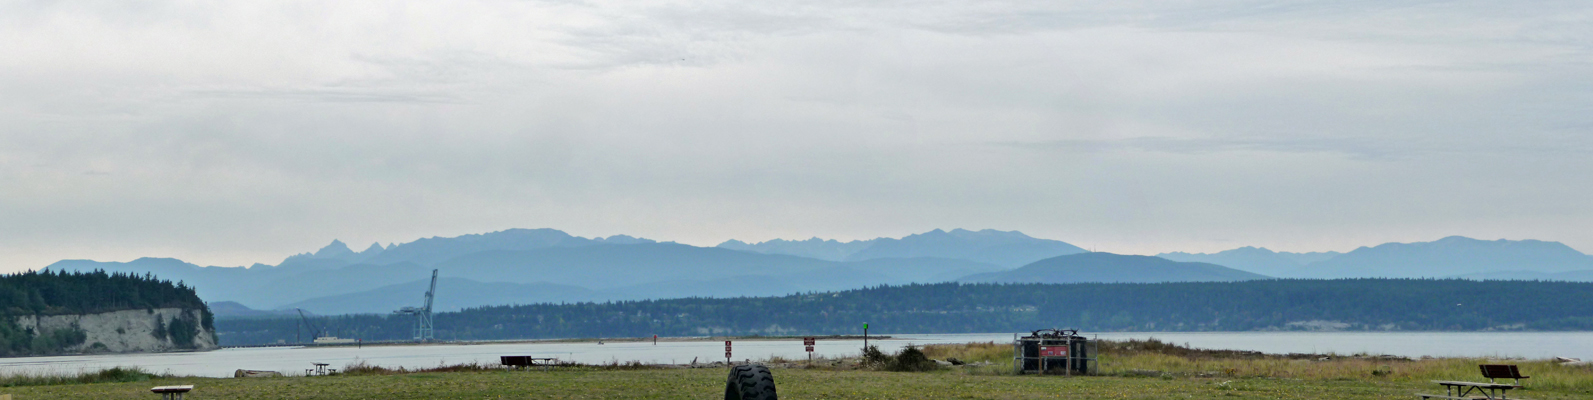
(750,382)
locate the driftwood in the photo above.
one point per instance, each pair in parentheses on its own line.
(244,373)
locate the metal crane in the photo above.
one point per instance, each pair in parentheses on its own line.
(422,315)
(305,321)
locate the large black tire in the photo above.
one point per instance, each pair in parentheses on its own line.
(750,382)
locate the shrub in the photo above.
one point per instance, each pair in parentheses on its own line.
(874,359)
(116,374)
(911,360)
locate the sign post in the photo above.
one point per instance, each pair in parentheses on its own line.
(865,336)
(808,342)
(727,352)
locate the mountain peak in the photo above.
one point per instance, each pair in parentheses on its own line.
(336,249)
(1109,267)
(990,233)
(624,239)
(1451,256)
(1005,248)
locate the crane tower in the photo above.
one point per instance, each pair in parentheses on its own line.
(422,314)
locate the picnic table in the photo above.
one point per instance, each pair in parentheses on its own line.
(320,369)
(172,392)
(1461,390)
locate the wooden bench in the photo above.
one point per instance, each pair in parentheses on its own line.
(1459,390)
(1502,371)
(1439,396)
(516,362)
(172,392)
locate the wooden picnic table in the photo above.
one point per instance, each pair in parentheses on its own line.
(172,392)
(320,369)
(1461,390)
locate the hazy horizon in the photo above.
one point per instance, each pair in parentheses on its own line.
(362,246)
(233,133)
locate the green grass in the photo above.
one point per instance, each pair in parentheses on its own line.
(793,384)
(1158,358)
(117,374)
(1179,373)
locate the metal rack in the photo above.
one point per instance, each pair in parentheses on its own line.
(1049,350)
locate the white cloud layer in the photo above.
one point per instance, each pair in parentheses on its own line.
(234,132)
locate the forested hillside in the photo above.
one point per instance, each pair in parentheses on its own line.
(50,293)
(1353,304)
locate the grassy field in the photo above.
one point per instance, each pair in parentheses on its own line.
(793,384)
(1154,358)
(1132,371)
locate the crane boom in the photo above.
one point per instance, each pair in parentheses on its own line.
(431,291)
(306,321)
(423,329)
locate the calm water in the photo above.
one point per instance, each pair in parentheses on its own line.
(222,363)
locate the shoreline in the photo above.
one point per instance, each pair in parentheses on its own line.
(661,339)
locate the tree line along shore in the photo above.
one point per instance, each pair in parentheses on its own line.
(1281,305)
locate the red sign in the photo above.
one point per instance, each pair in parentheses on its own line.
(810,349)
(808,341)
(1053,351)
(727,349)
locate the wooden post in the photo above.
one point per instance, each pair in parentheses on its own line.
(1070,355)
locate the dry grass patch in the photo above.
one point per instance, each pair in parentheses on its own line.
(1156,358)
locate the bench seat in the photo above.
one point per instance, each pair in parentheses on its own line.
(527,362)
(172,389)
(1485,385)
(1448,397)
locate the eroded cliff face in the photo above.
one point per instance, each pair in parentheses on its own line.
(131,331)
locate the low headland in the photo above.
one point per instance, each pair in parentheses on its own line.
(57,313)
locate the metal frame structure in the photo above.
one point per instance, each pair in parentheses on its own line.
(1054,337)
(423,327)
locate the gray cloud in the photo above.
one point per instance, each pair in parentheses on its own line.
(230,133)
(1351,148)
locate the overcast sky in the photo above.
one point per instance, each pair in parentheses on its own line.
(228,133)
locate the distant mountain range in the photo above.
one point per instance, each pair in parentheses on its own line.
(235,310)
(452,294)
(525,266)
(1450,257)
(1113,268)
(1255,259)
(1007,249)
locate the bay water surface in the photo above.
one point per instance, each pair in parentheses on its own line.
(294,360)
